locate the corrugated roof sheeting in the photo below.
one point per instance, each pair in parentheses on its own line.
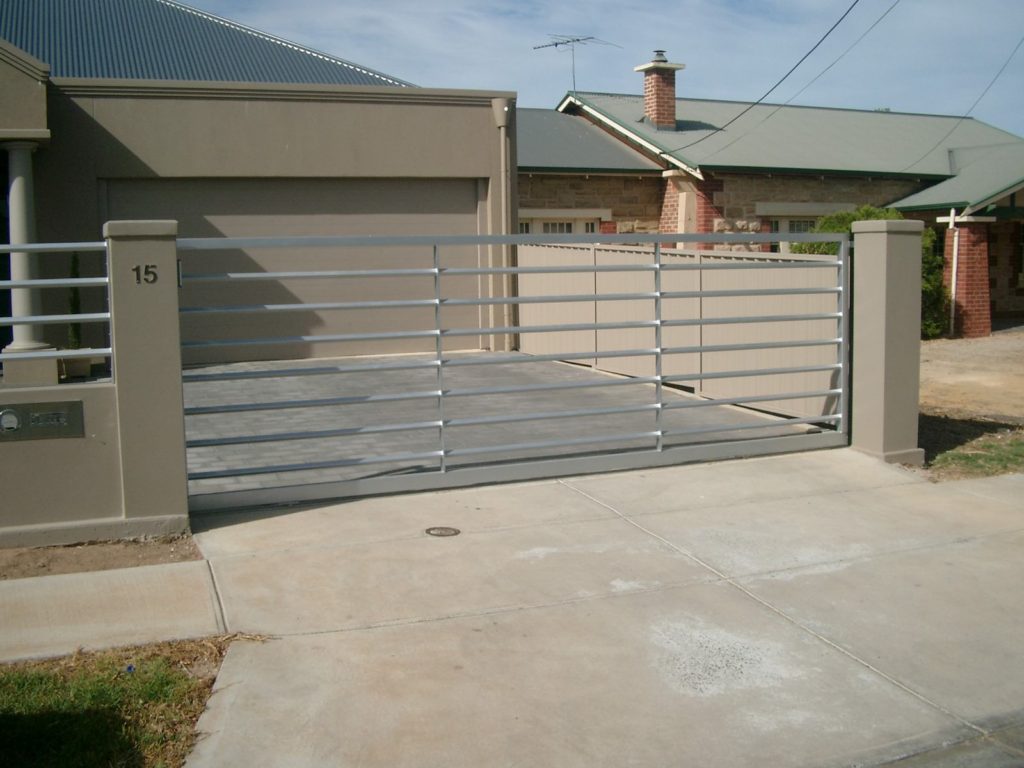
(547,140)
(982,173)
(164,40)
(802,138)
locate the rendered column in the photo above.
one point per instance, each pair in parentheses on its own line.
(24,301)
(886,338)
(146,341)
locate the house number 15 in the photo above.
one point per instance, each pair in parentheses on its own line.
(145,273)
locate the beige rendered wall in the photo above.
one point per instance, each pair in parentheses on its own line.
(64,479)
(22,93)
(126,476)
(247,160)
(689,363)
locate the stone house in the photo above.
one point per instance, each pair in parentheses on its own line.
(738,167)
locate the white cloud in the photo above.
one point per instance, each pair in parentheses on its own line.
(926,56)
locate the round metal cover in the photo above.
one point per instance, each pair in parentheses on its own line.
(442,530)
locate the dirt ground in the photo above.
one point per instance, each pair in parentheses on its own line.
(23,562)
(969,389)
(975,378)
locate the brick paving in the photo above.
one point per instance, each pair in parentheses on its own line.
(306,453)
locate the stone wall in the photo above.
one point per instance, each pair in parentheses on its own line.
(635,201)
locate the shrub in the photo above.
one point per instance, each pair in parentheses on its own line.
(934,297)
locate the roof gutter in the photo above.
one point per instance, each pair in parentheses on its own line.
(658,151)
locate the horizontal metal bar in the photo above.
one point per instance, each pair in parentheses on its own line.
(765,425)
(277,437)
(97,245)
(189,377)
(752,372)
(749,292)
(604,439)
(220,277)
(311,339)
(510,419)
(232,243)
(625,325)
(311,307)
(84,317)
(553,270)
(57,354)
(750,319)
(552,299)
(551,387)
(769,263)
(712,401)
(329,464)
(280,405)
(743,347)
(550,358)
(64,282)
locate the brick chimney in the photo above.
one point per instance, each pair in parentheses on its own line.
(660,91)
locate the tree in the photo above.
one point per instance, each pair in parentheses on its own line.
(934,298)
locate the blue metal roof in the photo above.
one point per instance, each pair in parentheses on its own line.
(165,40)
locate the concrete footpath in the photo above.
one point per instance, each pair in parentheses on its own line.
(820,609)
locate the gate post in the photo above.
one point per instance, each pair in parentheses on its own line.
(143,269)
(886,338)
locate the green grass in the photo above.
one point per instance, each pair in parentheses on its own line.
(130,707)
(958,448)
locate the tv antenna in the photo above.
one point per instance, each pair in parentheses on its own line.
(572,41)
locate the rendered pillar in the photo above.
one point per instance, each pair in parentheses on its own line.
(886,338)
(24,266)
(147,367)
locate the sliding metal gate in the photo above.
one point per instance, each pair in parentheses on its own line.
(417,363)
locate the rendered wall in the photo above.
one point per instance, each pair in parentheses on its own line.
(240,160)
(23,89)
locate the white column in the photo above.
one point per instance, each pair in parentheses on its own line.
(21,213)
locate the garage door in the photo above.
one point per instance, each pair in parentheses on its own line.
(305,207)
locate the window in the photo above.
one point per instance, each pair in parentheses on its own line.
(557,227)
(790,226)
(524,227)
(590,227)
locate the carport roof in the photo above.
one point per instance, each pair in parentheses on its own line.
(165,40)
(549,141)
(983,176)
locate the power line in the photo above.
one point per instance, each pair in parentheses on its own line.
(968,112)
(812,82)
(780,82)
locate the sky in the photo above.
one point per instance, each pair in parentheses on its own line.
(929,56)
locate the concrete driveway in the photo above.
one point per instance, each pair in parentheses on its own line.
(820,609)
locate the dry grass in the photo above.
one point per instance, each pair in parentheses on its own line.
(134,707)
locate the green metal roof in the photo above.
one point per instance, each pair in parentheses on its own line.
(983,175)
(550,141)
(773,137)
(165,40)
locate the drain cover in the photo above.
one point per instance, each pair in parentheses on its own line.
(442,530)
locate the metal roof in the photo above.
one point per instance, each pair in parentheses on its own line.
(773,137)
(550,141)
(165,40)
(983,175)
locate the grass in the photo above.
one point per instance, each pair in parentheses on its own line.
(960,448)
(131,707)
